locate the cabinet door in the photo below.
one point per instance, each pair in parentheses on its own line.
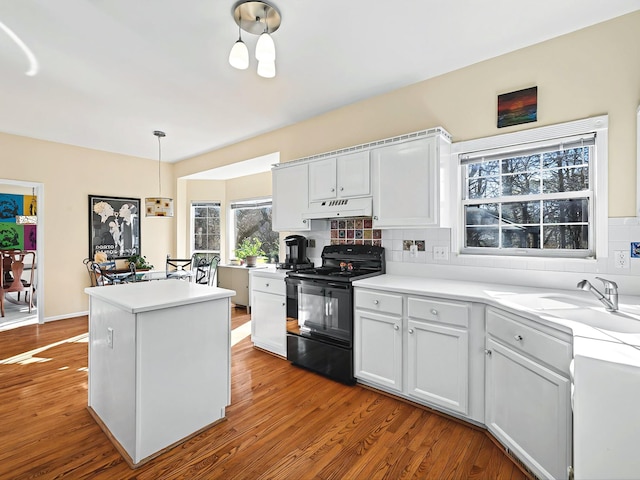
(268,322)
(322,179)
(378,349)
(527,409)
(290,198)
(438,365)
(354,175)
(406,184)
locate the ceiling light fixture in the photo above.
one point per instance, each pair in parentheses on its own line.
(159,206)
(239,55)
(257,18)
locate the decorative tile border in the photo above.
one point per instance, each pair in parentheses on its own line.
(355,231)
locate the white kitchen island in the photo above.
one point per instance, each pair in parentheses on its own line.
(159,363)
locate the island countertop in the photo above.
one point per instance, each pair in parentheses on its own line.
(147,296)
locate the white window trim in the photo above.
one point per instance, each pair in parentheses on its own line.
(599,124)
(231,227)
(192,225)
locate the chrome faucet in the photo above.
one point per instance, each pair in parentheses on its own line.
(610,297)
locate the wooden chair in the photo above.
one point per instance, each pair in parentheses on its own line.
(12,268)
(179,268)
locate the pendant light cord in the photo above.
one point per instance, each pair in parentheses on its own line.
(159,134)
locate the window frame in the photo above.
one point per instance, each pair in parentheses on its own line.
(192,235)
(516,141)
(231,226)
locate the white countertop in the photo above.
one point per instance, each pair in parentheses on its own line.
(552,307)
(270,270)
(147,296)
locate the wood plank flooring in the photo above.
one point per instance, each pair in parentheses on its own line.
(284,423)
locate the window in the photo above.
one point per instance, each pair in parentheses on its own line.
(534,198)
(205,218)
(252,218)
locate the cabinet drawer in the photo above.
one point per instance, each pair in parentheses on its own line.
(451,313)
(268,284)
(378,302)
(540,345)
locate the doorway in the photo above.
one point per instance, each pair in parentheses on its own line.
(17,313)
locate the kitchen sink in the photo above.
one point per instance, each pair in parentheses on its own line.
(598,317)
(549,301)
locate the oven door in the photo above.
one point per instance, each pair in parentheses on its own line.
(325,310)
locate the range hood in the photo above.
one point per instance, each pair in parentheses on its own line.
(343,207)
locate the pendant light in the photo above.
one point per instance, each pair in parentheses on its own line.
(239,55)
(159,206)
(257,18)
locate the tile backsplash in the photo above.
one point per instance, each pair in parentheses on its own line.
(355,231)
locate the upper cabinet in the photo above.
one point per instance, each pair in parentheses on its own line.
(290,197)
(340,177)
(411,182)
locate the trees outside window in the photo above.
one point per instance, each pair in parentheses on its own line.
(253,219)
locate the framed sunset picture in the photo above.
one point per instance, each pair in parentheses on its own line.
(518,107)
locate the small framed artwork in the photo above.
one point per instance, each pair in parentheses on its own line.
(518,107)
(114,226)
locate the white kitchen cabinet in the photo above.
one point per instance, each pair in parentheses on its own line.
(411,182)
(438,365)
(268,311)
(419,348)
(378,339)
(527,398)
(290,197)
(340,177)
(236,277)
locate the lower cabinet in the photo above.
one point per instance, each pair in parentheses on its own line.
(268,312)
(417,347)
(528,392)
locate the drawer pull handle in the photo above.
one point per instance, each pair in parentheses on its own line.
(518,338)
(266,284)
(487,352)
(396,327)
(411,331)
(434,311)
(376,302)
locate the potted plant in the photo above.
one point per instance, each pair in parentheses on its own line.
(249,250)
(140,262)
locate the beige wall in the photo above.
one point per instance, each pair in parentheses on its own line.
(69,175)
(590,72)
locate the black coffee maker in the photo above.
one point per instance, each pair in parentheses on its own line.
(296,256)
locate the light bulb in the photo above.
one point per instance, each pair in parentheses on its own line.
(239,56)
(265,48)
(267,69)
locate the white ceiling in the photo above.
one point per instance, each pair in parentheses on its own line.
(112,71)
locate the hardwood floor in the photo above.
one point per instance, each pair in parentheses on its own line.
(284,423)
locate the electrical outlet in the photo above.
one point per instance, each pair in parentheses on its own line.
(413,250)
(440,253)
(621,259)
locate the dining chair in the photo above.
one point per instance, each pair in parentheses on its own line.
(213,270)
(179,268)
(12,268)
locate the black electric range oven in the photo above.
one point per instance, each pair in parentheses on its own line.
(321,299)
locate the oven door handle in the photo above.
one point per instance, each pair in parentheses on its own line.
(344,286)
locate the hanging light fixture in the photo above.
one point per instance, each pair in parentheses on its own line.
(239,55)
(257,18)
(159,206)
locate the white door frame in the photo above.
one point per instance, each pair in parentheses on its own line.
(39,191)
